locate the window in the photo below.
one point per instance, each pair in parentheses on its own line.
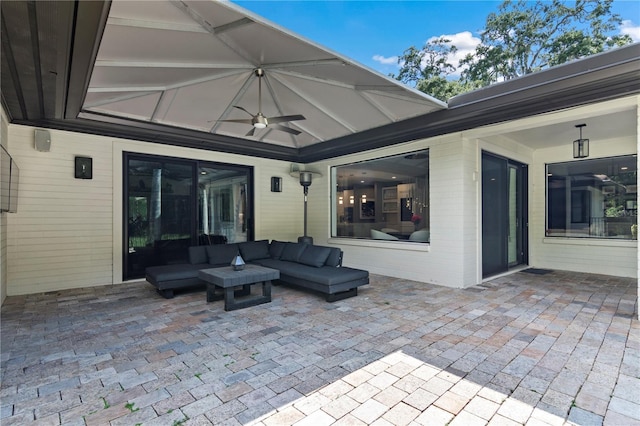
(383,199)
(593,198)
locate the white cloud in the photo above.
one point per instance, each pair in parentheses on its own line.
(466,43)
(391,60)
(629,29)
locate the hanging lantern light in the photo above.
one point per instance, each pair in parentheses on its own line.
(581,146)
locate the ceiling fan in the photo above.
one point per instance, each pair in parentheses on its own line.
(259,120)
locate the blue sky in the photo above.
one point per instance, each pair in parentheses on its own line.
(374,33)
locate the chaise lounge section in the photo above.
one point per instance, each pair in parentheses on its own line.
(315,268)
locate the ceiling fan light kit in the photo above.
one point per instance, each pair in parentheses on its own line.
(259,120)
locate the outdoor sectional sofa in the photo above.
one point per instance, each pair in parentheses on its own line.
(315,268)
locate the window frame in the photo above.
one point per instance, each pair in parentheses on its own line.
(196,166)
(581,200)
(359,221)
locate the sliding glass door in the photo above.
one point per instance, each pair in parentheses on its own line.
(223,205)
(504,214)
(171,204)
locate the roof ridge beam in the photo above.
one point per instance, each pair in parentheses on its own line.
(120,98)
(162,88)
(311,62)
(155,25)
(206,25)
(180,65)
(358,87)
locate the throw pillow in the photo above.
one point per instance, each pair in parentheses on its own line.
(292,251)
(252,250)
(275,249)
(222,254)
(334,257)
(197,255)
(315,256)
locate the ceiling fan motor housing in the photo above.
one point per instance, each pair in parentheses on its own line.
(260,121)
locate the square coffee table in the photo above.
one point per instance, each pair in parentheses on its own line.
(226,279)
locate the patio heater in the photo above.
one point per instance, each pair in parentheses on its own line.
(305,180)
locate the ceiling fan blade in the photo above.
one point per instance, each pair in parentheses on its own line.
(284,118)
(238,120)
(284,129)
(240,108)
(251,132)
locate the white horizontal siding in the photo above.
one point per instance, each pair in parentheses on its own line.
(619,261)
(600,256)
(61,235)
(442,262)
(287,222)
(68,232)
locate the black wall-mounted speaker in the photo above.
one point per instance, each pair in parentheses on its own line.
(276,184)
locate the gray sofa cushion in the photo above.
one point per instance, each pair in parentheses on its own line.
(222,254)
(326,275)
(197,254)
(334,257)
(157,274)
(276,248)
(315,256)
(292,251)
(253,250)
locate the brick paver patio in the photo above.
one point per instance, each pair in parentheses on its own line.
(553,349)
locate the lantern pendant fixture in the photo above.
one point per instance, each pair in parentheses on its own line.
(581,146)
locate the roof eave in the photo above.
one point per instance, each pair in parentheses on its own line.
(606,76)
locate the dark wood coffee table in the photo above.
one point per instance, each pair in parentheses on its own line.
(223,283)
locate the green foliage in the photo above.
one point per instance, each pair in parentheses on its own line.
(615,211)
(430,61)
(429,70)
(520,38)
(524,37)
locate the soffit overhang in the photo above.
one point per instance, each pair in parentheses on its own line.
(47,64)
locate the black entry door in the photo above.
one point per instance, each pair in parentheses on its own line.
(504,214)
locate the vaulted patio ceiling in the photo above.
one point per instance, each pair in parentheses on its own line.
(168,71)
(182,67)
(189,63)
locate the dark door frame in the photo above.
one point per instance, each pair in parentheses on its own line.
(195,167)
(522,206)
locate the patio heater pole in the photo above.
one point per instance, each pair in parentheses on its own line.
(305,181)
